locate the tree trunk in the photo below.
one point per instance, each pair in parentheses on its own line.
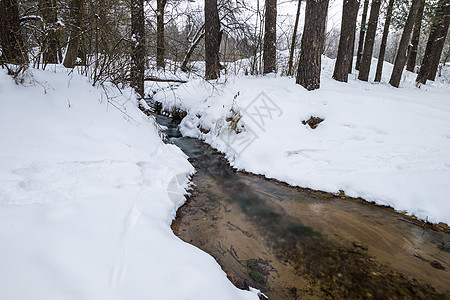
(346,40)
(270,36)
(362,34)
(50,40)
(350,67)
(412,48)
(400,58)
(435,43)
(387,23)
(138,46)
(366,59)
(13,50)
(160,47)
(76,15)
(212,40)
(309,66)
(294,39)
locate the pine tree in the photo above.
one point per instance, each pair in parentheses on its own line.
(400,58)
(362,34)
(309,66)
(412,48)
(346,40)
(270,36)
(366,59)
(435,43)
(387,23)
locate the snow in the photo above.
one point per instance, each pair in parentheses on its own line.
(87,194)
(387,145)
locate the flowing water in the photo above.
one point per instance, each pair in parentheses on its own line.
(294,243)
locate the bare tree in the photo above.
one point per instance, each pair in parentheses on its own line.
(160,47)
(435,43)
(362,34)
(400,58)
(212,40)
(366,59)
(50,40)
(270,36)
(412,48)
(13,50)
(309,66)
(346,40)
(76,15)
(387,23)
(137,46)
(294,39)
(199,35)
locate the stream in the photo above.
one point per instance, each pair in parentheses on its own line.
(294,243)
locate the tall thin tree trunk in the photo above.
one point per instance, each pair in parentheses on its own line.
(366,59)
(387,23)
(309,66)
(138,46)
(350,67)
(362,34)
(160,47)
(13,50)
(400,58)
(76,15)
(294,39)
(50,18)
(435,43)
(270,36)
(212,40)
(412,48)
(346,40)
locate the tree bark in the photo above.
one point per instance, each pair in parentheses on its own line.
(294,39)
(412,48)
(160,47)
(387,23)
(212,40)
(346,40)
(50,40)
(270,36)
(400,58)
(362,34)
(366,59)
(76,15)
(309,66)
(435,43)
(13,50)
(138,46)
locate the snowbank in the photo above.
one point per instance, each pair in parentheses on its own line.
(87,195)
(387,145)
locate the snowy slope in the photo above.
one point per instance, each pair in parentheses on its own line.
(387,145)
(87,195)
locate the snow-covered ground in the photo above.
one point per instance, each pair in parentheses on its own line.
(87,195)
(387,145)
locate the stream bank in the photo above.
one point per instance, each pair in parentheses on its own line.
(294,243)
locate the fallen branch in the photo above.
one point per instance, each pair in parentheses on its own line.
(151,78)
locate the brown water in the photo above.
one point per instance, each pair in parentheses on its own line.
(294,243)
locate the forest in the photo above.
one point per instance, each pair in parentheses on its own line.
(118,40)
